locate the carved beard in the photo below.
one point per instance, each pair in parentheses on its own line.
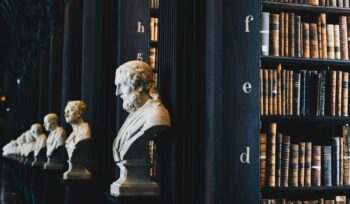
(132,102)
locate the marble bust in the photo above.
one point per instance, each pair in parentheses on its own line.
(136,87)
(74,113)
(40,142)
(55,140)
(29,144)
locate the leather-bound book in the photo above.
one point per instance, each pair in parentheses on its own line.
(296,94)
(316,166)
(274,34)
(263,160)
(261,74)
(333,90)
(306,40)
(274,92)
(340,199)
(327,165)
(314,40)
(345,93)
(330,41)
(279,89)
(294,165)
(308,104)
(324,35)
(346,156)
(301,176)
(314,2)
(285,160)
(348,25)
(322,2)
(271,162)
(337,42)
(287,92)
(340,3)
(266,91)
(297,35)
(339,93)
(286,31)
(319,36)
(270,91)
(282,14)
(333,3)
(302,92)
(341,161)
(336,161)
(344,49)
(346,3)
(291,35)
(323,94)
(279,141)
(284,83)
(291,108)
(308,163)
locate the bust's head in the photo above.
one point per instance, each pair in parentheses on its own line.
(135,84)
(36,130)
(50,122)
(74,111)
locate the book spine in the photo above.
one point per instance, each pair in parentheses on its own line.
(322,2)
(279,159)
(282,33)
(348,37)
(285,160)
(333,92)
(316,166)
(346,3)
(294,165)
(314,2)
(324,36)
(333,3)
(288,92)
(340,3)
(344,49)
(291,75)
(323,94)
(286,28)
(341,161)
(284,83)
(330,41)
(156,29)
(313,92)
(319,35)
(340,199)
(270,91)
(346,161)
(335,161)
(339,92)
(274,92)
(291,35)
(296,93)
(263,160)
(306,40)
(314,40)
(279,89)
(345,93)
(274,34)
(337,42)
(301,163)
(327,165)
(308,163)
(302,92)
(318,104)
(272,155)
(261,75)
(297,36)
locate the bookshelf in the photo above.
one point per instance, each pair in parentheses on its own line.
(326,130)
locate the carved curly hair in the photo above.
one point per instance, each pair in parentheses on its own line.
(139,75)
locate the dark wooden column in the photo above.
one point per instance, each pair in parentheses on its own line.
(72,48)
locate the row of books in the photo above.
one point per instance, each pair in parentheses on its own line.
(152,153)
(284,164)
(285,34)
(154,4)
(153,57)
(337,200)
(304,92)
(154,29)
(332,3)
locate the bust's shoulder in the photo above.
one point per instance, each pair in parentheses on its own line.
(157,114)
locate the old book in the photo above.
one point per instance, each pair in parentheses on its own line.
(308,89)
(340,199)
(308,163)
(346,153)
(313,92)
(323,93)
(339,93)
(297,35)
(344,49)
(335,161)
(284,83)
(279,89)
(324,35)
(152,57)
(271,162)
(274,34)
(346,3)
(156,29)
(261,75)
(333,90)
(294,162)
(274,92)
(333,3)
(329,202)
(319,36)
(340,3)
(306,40)
(327,165)
(348,25)
(318,101)
(314,2)
(330,41)
(322,2)
(291,75)
(341,159)
(316,166)
(151,28)
(266,92)
(282,33)
(345,93)
(291,35)
(286,31)
(314,40)
(337,42)
(301,176)
(279,141)
(296,94)
(285,160)
(287,92)
(262,159)
(302,92)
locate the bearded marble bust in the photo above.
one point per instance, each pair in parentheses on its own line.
(135,85)
(40,138)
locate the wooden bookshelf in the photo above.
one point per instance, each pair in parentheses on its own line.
(309,189)
(304,8)
(305,119)
(305,61)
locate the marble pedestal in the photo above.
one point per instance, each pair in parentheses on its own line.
(40,159)
(56,161)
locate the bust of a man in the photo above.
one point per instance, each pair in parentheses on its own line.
(40,138)
(29,144)
(74,113)
(57,136)
(135,85)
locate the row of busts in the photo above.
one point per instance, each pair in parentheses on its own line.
(34,142)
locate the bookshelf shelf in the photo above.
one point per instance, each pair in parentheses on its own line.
(307,61)
(302,119)
(153,43)
(276,6)
(154,12)
(312,189)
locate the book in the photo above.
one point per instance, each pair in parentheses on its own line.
(282,33)
(335,161)
(294,165)
(306,40)
(330,41)
(286,31)
(285,160)
(314,41)
(279,142)
(324,36)
(274,35)
(314,2)
(291,76)
(291,35)
(339,93)
(296,93)
(263,160)
(272,155)
(316,166)
(308,163)
(279,89)
(327,165)
(274,92)
(284,83)
(344,49)
(345,93)
(297,36)
(333,95)
(337,42)
(261,75)
(301,164)
(303,92)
